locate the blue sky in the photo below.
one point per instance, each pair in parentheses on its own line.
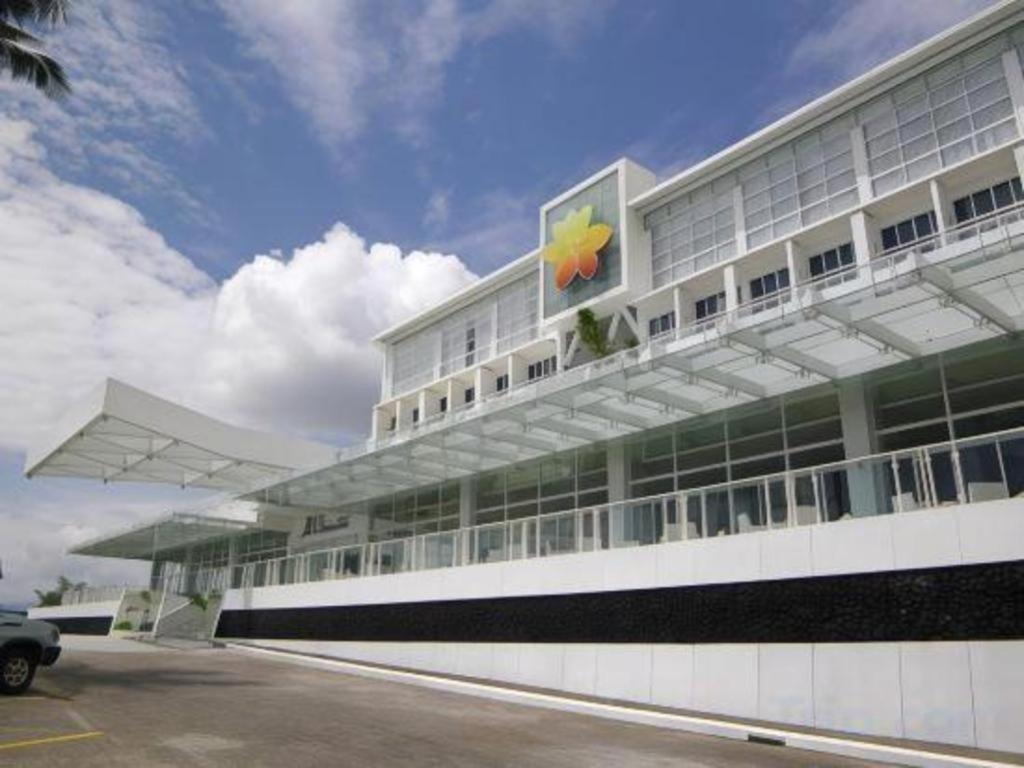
(518,117)
(239,194)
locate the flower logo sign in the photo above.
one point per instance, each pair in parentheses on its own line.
(575,245)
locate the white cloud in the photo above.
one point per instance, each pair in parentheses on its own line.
(42,521)
(438,209)
(90,290)
(347,64)
(868,32)
(130,94)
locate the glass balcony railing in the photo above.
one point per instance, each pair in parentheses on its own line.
(971,470)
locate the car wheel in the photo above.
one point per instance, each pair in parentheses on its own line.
(17,668)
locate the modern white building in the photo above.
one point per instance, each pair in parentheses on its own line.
(746,441)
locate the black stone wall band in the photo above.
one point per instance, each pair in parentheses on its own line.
(970,602)
(83,625)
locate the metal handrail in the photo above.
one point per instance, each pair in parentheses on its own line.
(890,482)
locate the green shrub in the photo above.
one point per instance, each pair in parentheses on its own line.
(122,625)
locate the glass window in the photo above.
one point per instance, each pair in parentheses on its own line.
(661,324)
(709,306)
(806,181)
(986,201)
(832,260)
(693,231)
(908,231)
(960,108)
(766,285)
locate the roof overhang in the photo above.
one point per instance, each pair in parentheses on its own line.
(965,288)
(166,534)
(120,433)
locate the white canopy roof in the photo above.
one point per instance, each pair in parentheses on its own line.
(120,433)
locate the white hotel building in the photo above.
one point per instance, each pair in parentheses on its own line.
(776,473)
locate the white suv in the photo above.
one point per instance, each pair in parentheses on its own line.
(24,645)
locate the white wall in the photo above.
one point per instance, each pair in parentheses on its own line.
(82,610)
(966,693)
(976,533)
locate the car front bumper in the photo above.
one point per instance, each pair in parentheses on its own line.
(50,655)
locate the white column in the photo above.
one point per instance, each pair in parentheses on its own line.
(729,280)
(431,404)
(939,203)
(739,219)
(617,480)
(1018,156)
(467,502)
(792,251)
(484,382)
(400,415)
(860,164)
(677,306)
(421,404)
(1015,84)
(857,416)
(861,238)
(516,368)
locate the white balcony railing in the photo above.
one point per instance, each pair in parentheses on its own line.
(975,469)
(881,274)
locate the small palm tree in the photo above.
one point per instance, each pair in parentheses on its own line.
(19,50)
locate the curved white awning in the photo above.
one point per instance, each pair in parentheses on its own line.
(120,433)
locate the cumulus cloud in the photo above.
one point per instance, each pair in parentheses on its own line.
(90,290)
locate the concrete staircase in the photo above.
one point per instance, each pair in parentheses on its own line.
(183,619)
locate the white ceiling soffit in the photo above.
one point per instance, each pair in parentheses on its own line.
(896,308)
(120,433)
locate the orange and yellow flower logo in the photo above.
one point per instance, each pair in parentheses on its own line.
(573,249)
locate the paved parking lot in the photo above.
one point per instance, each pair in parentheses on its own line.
(145,706)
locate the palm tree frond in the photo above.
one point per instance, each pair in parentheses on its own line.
(40,11)
(34,67)
(11,33)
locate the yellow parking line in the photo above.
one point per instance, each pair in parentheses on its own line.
(50,740)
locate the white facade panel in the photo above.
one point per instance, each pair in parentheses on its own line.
(937,701)
(786,553)
(924,541)
(725,679)
(857,688)
(672,676)
(997,675)
(624,672)
(540,664)
(727,559)
(579,669)
(785,687)
(852,546)
(991,531)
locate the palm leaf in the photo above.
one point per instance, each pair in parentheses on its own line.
(48,11)
(28,64)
